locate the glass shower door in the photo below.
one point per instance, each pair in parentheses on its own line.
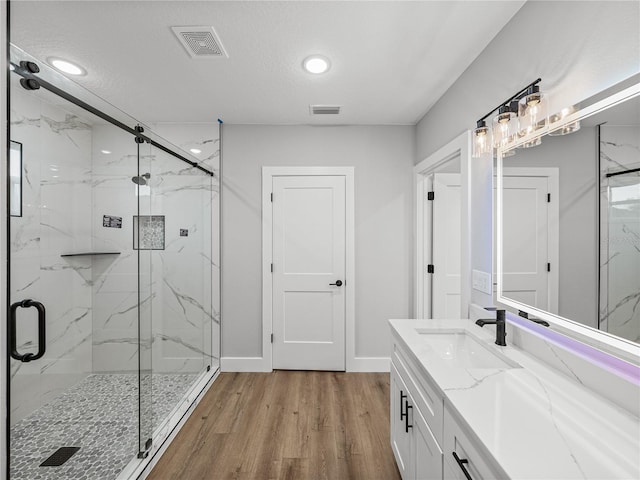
(71,330)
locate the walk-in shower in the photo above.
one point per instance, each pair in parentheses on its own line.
(113,290)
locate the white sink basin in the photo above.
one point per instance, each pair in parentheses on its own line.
(460,349)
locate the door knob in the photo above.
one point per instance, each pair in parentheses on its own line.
(337,284)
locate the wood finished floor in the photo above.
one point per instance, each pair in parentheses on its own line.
(286,425)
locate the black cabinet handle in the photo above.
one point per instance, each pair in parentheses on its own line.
(461,463)
(337,284)
(402,397)
(406,417)
(42,338)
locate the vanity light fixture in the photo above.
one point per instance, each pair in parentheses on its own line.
(481,140)
(66,66)
(532,111)
(316,64)
(565,129)
(507,125)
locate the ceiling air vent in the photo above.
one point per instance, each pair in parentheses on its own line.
(324,109)
(200,42)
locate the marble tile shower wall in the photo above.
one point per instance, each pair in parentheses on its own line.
(56,212)
(620,232)
(178,314)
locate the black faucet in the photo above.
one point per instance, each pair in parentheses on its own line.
(500,323)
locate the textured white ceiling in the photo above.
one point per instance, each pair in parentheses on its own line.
(391,60)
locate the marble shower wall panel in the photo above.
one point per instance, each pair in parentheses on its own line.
(115,278)
(620,232)
(190,297)
(56,147)
(182,307)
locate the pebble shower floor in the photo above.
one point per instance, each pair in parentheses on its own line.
(99,415)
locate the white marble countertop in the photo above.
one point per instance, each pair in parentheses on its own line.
(534,421)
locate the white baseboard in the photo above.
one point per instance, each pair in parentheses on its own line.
(370,364)
(243,364)
(257,364)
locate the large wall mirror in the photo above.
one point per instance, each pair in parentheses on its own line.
(568,222)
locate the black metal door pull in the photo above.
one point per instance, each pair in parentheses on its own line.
(13,338)
(461,463)
(337,284)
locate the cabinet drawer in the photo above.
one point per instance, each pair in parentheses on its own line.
(426,398)
(457,440)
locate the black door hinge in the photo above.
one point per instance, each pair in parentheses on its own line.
(272,268)
(271,197)
(548,267)
(430,268)
(431,195)
(548,198)
(272,338)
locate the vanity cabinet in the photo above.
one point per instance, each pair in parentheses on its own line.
(415,447)
(462,454)
(424,434)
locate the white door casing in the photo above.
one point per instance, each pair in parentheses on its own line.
(308,267)
(460,147)
(308,236)
(446,289)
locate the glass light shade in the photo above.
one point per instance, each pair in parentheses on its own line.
(482,142)
(504,128)
(532,143)
(565,129)
(532,113)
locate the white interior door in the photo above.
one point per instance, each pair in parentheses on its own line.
(525,243)
(309,272)
(446,231)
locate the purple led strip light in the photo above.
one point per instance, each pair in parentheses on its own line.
(604,360)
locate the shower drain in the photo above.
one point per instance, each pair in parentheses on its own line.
(60,456)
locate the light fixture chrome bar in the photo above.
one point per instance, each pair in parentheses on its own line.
(510,99)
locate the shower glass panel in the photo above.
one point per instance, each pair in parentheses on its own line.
(73,290)
(178,235)
(623,270)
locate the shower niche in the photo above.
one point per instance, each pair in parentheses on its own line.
(129,330)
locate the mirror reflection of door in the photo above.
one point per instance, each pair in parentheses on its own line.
(529,238)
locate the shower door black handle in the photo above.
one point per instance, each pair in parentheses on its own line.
(13,338)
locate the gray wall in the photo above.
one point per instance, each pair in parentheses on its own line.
(383,160)
(578,48)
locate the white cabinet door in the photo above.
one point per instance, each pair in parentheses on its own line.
(427,454)
(448,472)
(400,438)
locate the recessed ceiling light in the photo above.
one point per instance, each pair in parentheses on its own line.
(195,150)
(106,152)
(316,64)
(67,67)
